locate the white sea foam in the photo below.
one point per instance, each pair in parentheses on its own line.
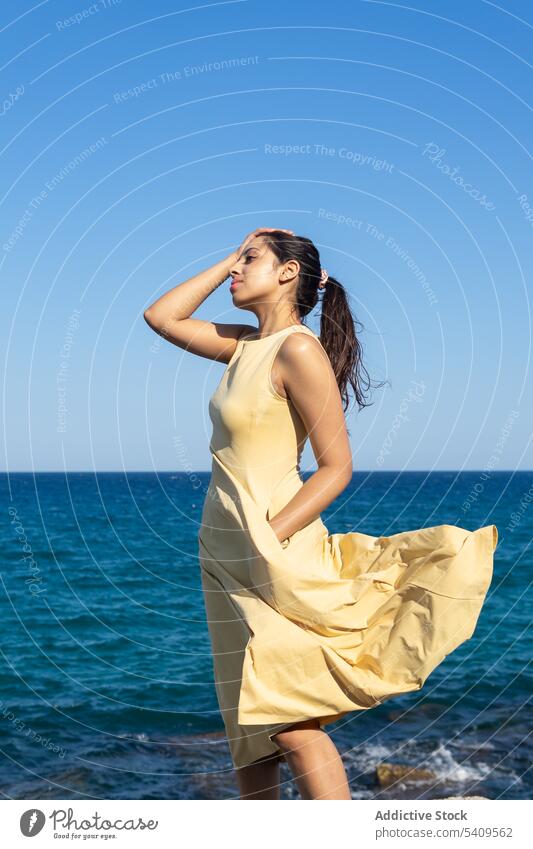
(444,765)
(364,759)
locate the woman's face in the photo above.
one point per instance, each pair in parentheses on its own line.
(256,274)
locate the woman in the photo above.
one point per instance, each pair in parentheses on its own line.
(305,626)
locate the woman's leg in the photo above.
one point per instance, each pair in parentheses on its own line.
(314,761)
(259,780)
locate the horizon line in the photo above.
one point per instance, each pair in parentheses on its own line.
(209,471)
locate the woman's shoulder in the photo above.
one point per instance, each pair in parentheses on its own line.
(297,339)
(300,344)
(299,363)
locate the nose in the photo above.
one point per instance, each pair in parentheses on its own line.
(235,269)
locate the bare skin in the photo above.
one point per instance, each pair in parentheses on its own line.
(314,762)
(302,373)
(260,780)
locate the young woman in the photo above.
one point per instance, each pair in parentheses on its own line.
(305,626)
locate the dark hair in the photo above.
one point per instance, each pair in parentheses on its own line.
(337,323)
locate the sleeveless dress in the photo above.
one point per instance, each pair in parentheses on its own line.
(321,624)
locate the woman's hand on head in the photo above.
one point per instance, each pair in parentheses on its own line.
(258,232)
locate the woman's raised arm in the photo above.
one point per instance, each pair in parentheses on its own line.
(169,316)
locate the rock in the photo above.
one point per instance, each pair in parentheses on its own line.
(388,774)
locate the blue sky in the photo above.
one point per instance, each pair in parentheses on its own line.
(139,144)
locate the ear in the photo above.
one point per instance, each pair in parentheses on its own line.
(290,270)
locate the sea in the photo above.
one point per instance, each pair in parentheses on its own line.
(106,679)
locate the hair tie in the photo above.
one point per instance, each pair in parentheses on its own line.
(323,278)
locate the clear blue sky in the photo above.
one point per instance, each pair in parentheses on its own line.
(140,143)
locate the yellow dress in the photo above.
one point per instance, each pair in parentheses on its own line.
(322,624)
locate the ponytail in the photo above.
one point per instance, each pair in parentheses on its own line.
(340,341)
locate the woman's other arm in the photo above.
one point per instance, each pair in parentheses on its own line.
(308,380)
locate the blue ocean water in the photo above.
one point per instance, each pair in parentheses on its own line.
(106,682)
